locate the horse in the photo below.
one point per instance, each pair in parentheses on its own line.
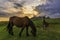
(21,22)
(45,24)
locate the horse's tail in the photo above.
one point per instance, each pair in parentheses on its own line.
(8,25)
(9,28)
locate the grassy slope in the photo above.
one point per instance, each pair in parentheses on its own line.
(52,33)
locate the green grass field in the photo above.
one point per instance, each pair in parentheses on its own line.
(52,32)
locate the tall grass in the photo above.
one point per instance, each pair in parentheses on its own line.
(52,32)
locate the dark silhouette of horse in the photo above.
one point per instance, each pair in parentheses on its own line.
(21,22)
(45,24)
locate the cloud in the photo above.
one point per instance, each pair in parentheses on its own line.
(51,8)
(4,14)
(12,7)
(8,8)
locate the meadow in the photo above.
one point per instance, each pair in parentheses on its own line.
(52,32)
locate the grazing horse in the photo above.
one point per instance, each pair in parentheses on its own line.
(21,22)
(45,24)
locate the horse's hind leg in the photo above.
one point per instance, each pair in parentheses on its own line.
(21,31)
(10,30)
(27,31)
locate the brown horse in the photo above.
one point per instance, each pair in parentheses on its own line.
(21,22)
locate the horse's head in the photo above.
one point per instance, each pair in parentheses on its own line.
(32,25)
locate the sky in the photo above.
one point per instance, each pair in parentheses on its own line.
(51,8)
(16,7)
(23,7)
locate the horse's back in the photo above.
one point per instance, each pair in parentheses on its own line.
(19,21)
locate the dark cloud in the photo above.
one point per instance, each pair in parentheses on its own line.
(52,7)
(4,14)
(8,14)
(16,5)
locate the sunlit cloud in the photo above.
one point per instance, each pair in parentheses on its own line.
(19,8)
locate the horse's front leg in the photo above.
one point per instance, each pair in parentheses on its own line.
(27,34)
(21,31)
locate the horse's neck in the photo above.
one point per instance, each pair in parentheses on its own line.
(33,27)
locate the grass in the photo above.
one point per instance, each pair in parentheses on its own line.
(52,33)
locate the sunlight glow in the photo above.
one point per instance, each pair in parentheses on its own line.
(29,11)
(3,19)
